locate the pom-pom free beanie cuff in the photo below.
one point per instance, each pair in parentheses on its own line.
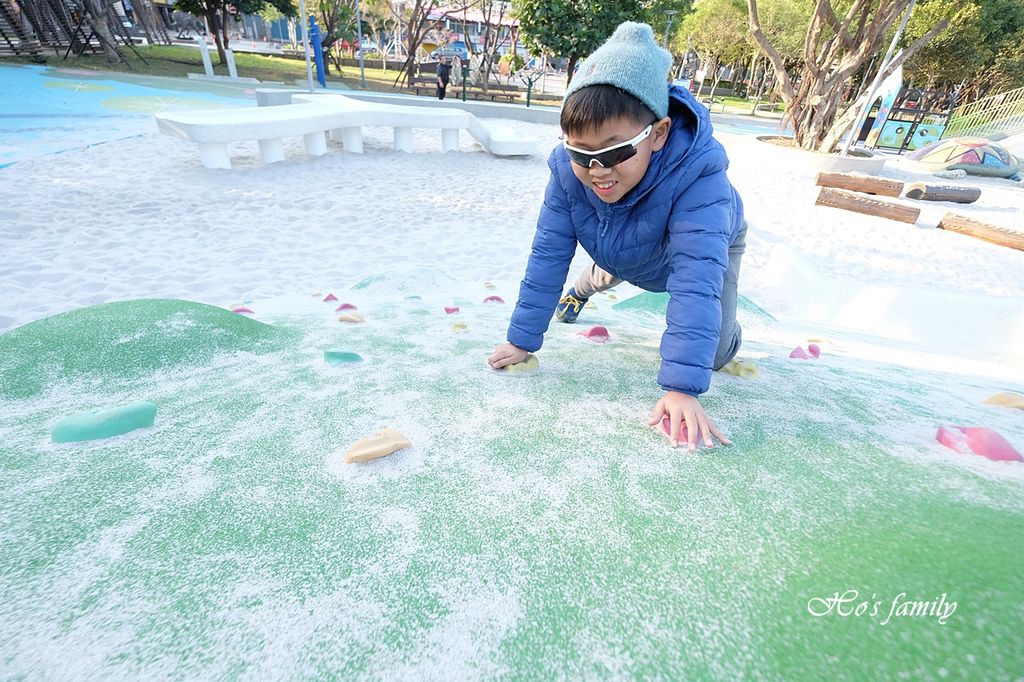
(632,61)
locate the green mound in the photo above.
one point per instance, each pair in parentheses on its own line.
(124,340)
(647,302)
(655,303)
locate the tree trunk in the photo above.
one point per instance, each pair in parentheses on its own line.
(96,16)
(211,19)
(569,67)
(224,34)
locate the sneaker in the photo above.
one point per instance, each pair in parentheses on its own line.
(570,306)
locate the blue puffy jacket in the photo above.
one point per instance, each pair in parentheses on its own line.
(671,233)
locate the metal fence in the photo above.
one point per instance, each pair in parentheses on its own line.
(997,114)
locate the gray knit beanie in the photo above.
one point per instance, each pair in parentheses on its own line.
(630,60)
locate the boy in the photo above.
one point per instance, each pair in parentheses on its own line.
(640,183)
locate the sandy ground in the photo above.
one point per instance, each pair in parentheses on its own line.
(140,217)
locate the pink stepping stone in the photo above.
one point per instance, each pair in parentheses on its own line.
(666,428)
(345,306)
(449,309)
(595,334)
(978,440)
(330,297)
(494,299)
(242,310)
(814,350)
(799,353)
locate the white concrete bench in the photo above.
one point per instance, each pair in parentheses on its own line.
(355,115)
(343,117)
(213,129)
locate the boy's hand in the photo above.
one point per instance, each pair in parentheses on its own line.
(683,408)
(506,354)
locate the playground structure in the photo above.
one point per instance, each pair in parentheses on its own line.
(911,119)
(37,27)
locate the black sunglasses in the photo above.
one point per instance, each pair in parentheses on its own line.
(609,156)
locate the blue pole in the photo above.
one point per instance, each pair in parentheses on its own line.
(318,51)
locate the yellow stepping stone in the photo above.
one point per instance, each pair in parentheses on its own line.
(352,317)
(744,369)
(460,327)
(380,445)
(528,365)
(1007,399)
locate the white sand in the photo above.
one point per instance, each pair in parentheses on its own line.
(141,218)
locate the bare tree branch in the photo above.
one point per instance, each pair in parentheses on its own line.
(778,63)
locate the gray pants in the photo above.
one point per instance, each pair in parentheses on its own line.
(593,279)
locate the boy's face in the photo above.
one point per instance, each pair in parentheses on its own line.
(611,184)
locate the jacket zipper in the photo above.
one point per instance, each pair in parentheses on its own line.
(604,228)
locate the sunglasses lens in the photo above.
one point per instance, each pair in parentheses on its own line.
(614,157)
(610,158)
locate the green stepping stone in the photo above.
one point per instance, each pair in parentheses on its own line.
(647,302)
(104,423)
(657,303)
(341,357)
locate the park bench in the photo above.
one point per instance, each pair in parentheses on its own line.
(428,85)
(312,116)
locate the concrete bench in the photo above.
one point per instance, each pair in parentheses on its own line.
(495,139)
(312,116)
(213,129)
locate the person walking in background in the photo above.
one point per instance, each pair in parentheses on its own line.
(444,73)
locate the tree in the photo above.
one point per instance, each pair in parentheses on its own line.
(834,50)
(655,15)
(492,16)
(337,21)
(418,22)
(95,14)
(216,12)
(571,28)
(717,30)
(975,51)
(377,14)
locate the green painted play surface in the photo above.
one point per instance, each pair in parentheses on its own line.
(536,530)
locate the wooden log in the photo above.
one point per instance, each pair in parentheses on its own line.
(980,230)
(868,184)
(852,201)
(925,192)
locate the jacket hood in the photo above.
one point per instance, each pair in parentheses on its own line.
(689,132)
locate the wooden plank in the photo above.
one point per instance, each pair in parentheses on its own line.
(925,192)
(859,203)
(867,184)
(984,231)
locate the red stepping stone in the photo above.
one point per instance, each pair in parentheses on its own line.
(978,440)
(595,334)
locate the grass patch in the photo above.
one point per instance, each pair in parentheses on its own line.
(177,61)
